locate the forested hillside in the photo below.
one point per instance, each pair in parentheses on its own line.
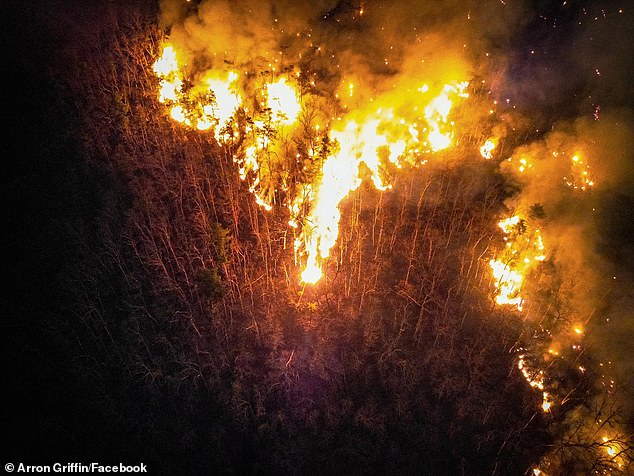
(156,313)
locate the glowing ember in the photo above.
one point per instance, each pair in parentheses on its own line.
(535,379)
(579,178)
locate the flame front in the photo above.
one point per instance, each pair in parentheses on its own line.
(381,139)
(376,139)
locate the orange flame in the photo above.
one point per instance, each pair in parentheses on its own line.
(375,140)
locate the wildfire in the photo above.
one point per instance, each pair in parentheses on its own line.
(486,150)
(535,379)
(357,144)
(339,177)
(211,103)
(509,284)
(368,134)
(374,140)
(546,403)
(523,251)
(281,107)
(363,144)
(166,68)
(524,165)
(225,103)
(579,178)
(381,138)
(536,163)
(283,101)
(440,134)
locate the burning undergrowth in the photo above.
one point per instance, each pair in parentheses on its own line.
(350,91)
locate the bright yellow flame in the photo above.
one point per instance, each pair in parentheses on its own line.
(226,101)
(524,249)
(283,100)
(312,272)
(220,97)
(438,140)
(509,284)
(508,223)
(440,135)
(167,63)
(340,175)
(535,378)
(486,150)
(170,78)
(381,137)
(178,114)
